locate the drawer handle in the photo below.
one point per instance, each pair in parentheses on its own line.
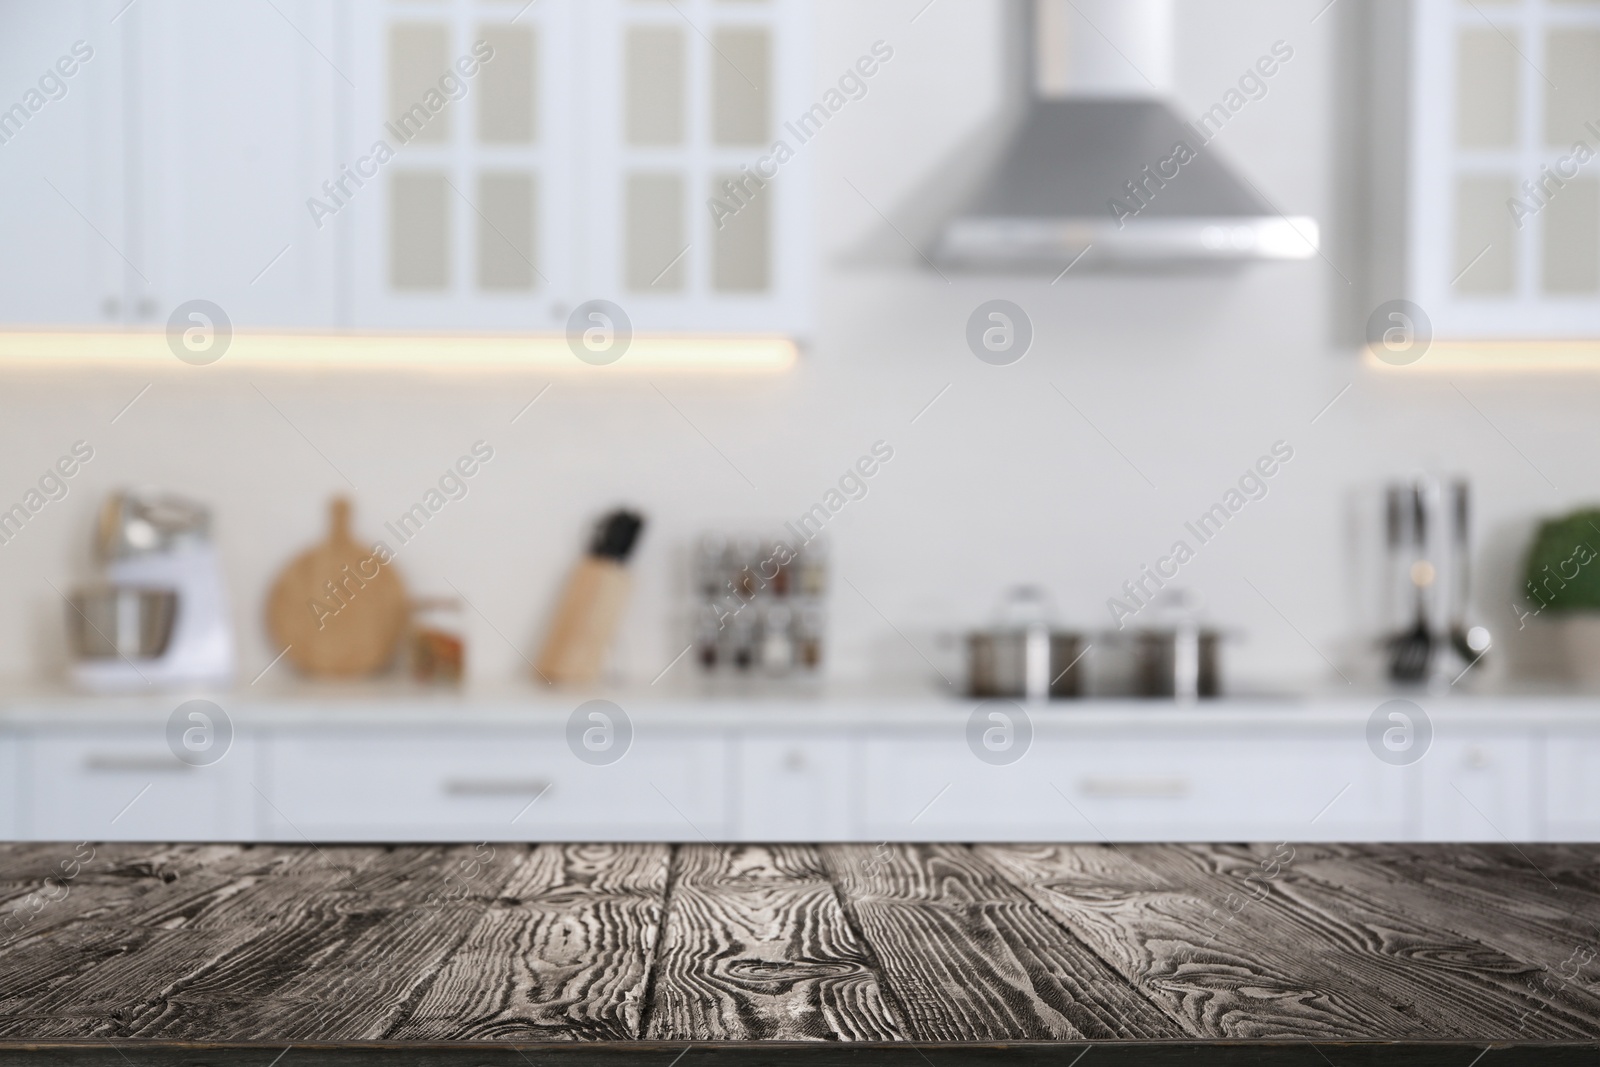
(496,787)
(101,763)
(1163,788)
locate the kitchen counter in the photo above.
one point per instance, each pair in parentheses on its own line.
(401,705)
(895,954)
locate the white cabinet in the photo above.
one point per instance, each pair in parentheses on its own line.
(490,785)
(794,787)
(64,251)
(1121,788)
(929,786)
(126,785)
(537,157)
(10,787)
(229,127)
(1488,182)
(1480,787)
(456,165)
(174,166)
(457,201)
(1572,787)
(830,773)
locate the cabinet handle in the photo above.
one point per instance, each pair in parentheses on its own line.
(496,787)
(1164,788)
(103,763)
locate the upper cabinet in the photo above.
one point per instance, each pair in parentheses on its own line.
(484,165)
(1488,210)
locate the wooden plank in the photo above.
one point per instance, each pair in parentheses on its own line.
(967,957)
(757,947)
(1554,887)
(114,957)
(1454,987)
(341,962)
(773,949)
(564,954)
(1553,928)
(308,942)
(81,879)
(1193,1052)
(117,899)
(1174,942)
(1452,890)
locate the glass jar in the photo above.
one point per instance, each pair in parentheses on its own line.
(437,641)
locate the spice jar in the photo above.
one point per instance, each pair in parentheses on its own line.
(437,645)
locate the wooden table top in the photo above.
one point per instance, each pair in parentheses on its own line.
(145,954)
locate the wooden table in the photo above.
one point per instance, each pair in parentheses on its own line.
(915,955)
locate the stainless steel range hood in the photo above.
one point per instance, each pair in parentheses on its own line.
(1101,171)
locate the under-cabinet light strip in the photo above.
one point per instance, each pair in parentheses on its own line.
(1499,356)
(741,353)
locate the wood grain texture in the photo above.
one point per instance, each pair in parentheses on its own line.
(125,896)
(810,1054)
(1198,951)
(1455,985)
(1555,888)
(967,957)
(757,947)
(760,951)
(1360,962)
(339,608)
(1530,903)
(293,943)
(564,953)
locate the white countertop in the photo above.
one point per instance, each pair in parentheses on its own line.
(394,704)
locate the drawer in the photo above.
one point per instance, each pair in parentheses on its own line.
(1479,787)
(794,787)
(1093,787)
(10,788)
(126,785)
(1572,787)
(490,785)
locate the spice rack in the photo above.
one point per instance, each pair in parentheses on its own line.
(759,606)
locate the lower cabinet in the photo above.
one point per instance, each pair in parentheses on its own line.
(491,785)
(1481,787)
(1120,788)
(926,779)
(10,788)
(794,787)
(1572,788)
(126,785)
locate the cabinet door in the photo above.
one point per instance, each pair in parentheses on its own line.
(10,787)
(465,141)
(1479,787)
(174,163)
(490,784)
(695,217)
(794,787)
(1572,787)
(1097,787)
(1504,199)
(65,254)
(230,133)
(126,785)
(519,160)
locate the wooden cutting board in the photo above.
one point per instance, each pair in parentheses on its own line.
(338,607)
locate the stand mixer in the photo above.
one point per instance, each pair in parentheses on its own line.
(159,617)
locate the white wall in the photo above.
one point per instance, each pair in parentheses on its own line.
(1001,481)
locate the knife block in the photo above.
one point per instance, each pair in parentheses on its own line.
(585,622)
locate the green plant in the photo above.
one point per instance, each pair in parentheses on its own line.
(1563,569)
